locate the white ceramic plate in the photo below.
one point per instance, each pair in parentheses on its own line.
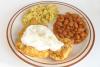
(79,51)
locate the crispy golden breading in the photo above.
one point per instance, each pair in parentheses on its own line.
(64,52)
(30,51)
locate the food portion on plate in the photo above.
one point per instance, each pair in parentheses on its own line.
(36,39)
(70,25)
(41,13)
(39,41)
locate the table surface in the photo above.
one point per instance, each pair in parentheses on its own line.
(9,7)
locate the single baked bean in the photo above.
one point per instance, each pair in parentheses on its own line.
(76,25)
(66,22)
(83,34)
(81,30)
(59,23)
(78,37)
(60,18)
(71,24)
(80,22)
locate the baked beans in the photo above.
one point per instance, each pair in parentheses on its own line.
(70,25)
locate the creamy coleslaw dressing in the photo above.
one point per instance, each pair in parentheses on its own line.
(41,38)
